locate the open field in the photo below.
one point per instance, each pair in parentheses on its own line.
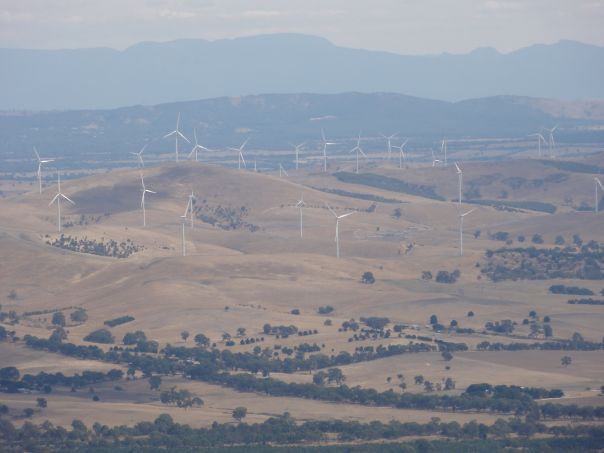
(246,266)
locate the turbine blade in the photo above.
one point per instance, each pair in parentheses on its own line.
(346,215)
(54,199)
(68,199)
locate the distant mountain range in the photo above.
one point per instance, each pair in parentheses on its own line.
(273,121)
(151,73)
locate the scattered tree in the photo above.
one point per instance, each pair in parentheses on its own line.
(368,278)
(201,340)
(154,382)
(566,361)
(239,413)
(184,335)
(42,403)
(58,319)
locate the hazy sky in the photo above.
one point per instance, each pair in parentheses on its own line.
(401,26)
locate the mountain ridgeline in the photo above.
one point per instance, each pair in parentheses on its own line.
(273,121)
(152,73)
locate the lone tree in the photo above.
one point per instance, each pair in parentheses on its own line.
(566,361)
(202,340)
(12,295)
(447,356)
(184,335)
(239,413)
(58,319)
(42,403)
(335,375)
(154,382)
(368,278)
(433,319)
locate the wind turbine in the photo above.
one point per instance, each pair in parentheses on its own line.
(58,197)
(337,238)
(401,156)
(358,150)
(389,138)
(240,158)
(460,180)
(282,171)
(140,156)
(434,159)
(297,148)
(325,145)
(461,216)
(443,149)
(540,138)
(597,183)
(197,146)
(189,209)
(40,162)
(144,190)
(176,132)
(300,204)
(552,143)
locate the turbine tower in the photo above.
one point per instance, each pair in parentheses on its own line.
(552,143)
(139,155)
(144,190)
(240,158)
(197,146)
(282,171)
(58,197)
(325,145)
(184,247)
(189,209)
(176,132)
(461,216)
(597,200)
(443,149)
(389,138)
(40,162)
(300,205)
(434,159)
(401,156)
(358,150)
(337,238)
(540,139)
(460,181)
(297,148)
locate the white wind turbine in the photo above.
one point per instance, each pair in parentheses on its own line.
(460,181)
(297,148)
(389,138)
(443,149)
(325,145)
(58,197)
(434,159)
(300,205)
(40,162)
(337,238)
(597,183)
(358,150)
(144,190)
(401,155)
(139,155)
(461,217)
(540,139)
(197,146)
(552,143)
(282,171)
(189,209)
(176,132)
(240,158)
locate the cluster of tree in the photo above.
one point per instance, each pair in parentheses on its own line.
(224,217)
(531,263)
(505,326)
(165,434)
(388,183)
(181,398)
(92,246)
(138,339)
(360,196)
(447,277)
(280,331)
(573,290)
(515,403)
(329,376)
(586,301)
(325,310)
(100,336)
(119,321)
(503,205)
(512,391)
(10,382)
